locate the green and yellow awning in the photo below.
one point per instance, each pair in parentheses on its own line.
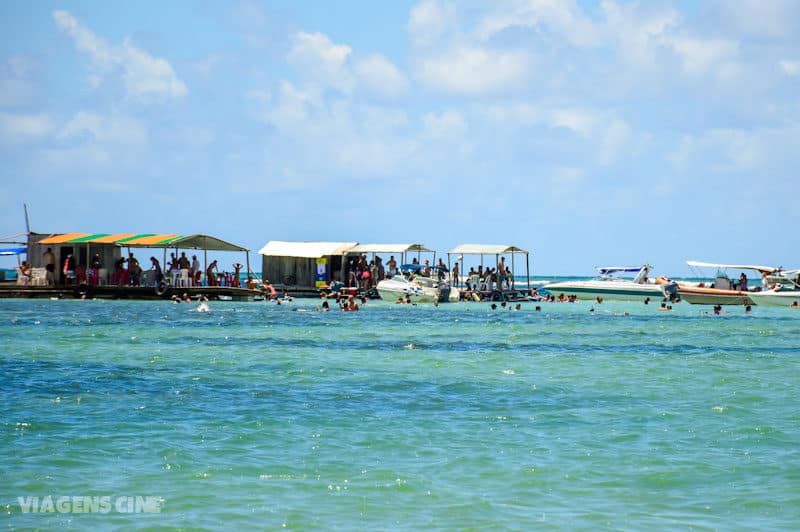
(150,240)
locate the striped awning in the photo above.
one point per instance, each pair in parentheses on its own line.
(171,240)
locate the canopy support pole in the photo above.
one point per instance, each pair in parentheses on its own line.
(513,281)
(528,270)
(248,264)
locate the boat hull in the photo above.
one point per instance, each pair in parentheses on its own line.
(590,292)
(714,296)
(393,295)
(390,290)
(772,298)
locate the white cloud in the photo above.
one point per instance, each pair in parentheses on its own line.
(473,70)
(20,128)
(446,124)
(578,120)
(105,129)
(601,136)
(380,76)
(93,139)
(700,56)
(206,66)
(290,109)
(724,150)
(790,68)
(145,77)
(637,35)
(430,20)
(320,60)
(562,18)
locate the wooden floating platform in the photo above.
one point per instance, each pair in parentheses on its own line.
(225,293)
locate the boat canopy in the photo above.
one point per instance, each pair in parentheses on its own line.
(145,240)
(484,249)
(388,248)
(762,269)
(626,269)
(13,251)
(416,268)
(307,250)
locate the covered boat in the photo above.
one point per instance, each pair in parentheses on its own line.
(609,286)
(414,287)
(723,290)
(785,292)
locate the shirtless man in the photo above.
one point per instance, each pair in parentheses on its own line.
(50,267)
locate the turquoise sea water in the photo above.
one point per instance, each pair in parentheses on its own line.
(255,415)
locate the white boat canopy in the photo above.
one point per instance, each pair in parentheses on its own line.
(767,269)
(307,250)
(388,248)
(484,249)
(490,249)
(613,269)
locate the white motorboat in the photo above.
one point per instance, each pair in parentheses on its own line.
(785,292)
(722,291)
(419,289)
(609,286)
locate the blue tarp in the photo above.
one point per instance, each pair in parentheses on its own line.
(13,251)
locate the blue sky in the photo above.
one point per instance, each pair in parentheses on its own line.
(591,133)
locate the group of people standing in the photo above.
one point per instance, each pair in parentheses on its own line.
(485,280)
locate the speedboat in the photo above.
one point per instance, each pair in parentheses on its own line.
(418,288)
(784,293)
(722,291)
(608,286)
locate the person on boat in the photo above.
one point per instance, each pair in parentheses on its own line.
(454,274)
(392,265)
(501,273)
(743,282)
(50,267)
(156,267)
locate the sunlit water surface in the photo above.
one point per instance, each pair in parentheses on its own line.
(254,415)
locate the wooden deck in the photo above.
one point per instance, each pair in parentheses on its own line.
(10,290)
